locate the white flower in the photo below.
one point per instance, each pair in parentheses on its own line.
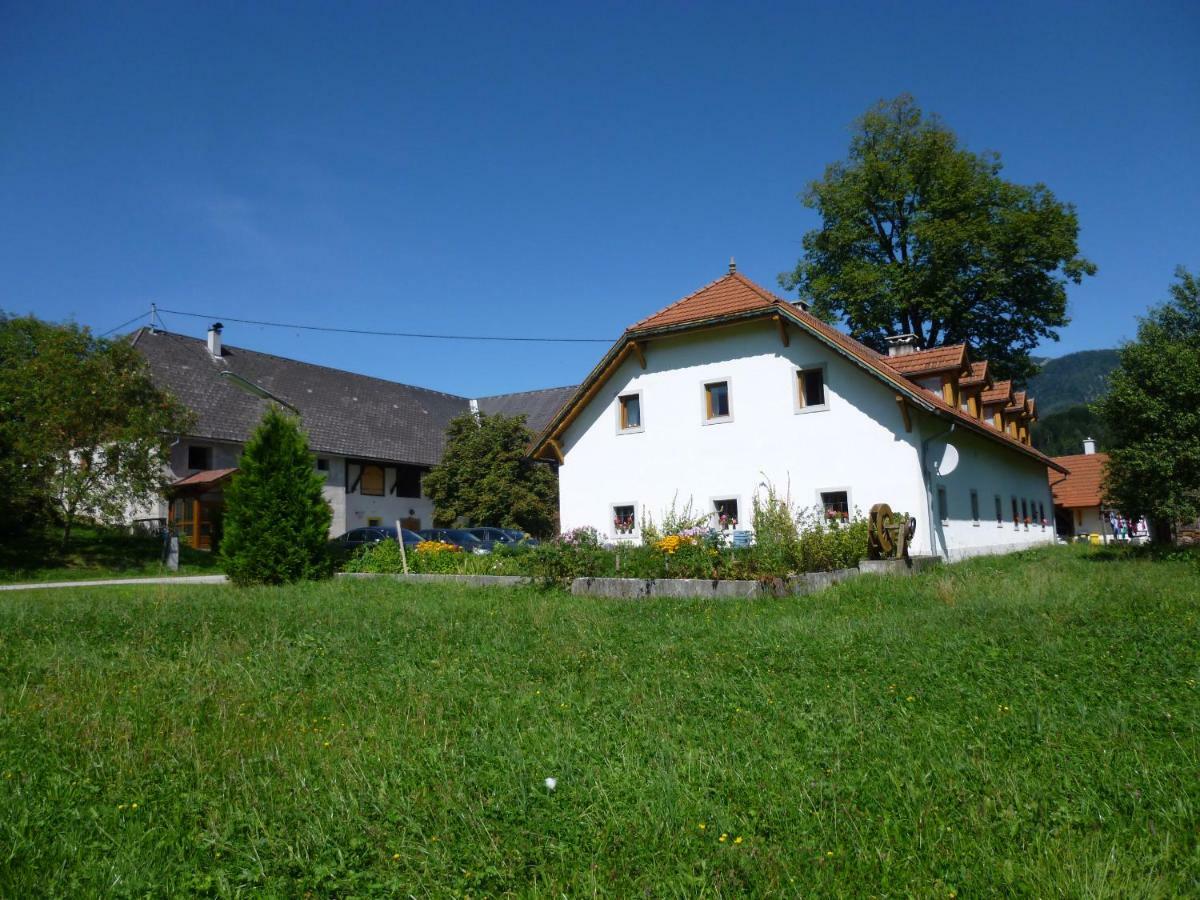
(551,783)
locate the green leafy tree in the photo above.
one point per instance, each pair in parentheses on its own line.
(1152,411)
(920,236)
(487,478)
(84,430)
(276,517)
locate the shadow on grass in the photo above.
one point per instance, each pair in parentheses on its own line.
(94,550)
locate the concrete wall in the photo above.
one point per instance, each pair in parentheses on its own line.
(857,443)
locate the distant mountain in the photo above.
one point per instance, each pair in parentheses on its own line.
(1071,380)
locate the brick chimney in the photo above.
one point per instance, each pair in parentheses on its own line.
(902,344)
(214,339)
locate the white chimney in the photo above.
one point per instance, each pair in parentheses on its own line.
(902,344)
(1089,446)
(214,339)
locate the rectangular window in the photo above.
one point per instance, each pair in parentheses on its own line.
(1016,512)
(1025,512)
(199,457)
(943,506)
(975,507)
(810,388)
(836,504)
(374,521)
(408,481)
(631,412)
(1042,514)
(623,519)
(370,482)
(322,464)
(726,512)
(716,400)
(999,510)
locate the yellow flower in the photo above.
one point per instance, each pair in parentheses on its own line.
(701,826)
(829,853)
(133,806)
(738,839)
(395,856)
(723,838)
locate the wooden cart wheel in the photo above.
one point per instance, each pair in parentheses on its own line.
(880,522)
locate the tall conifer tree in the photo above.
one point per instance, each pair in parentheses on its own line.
(276,517)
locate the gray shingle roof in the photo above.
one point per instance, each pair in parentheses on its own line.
(343,413)
(538,407)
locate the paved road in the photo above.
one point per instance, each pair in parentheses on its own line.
(105,582)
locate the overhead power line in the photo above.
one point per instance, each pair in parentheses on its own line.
(399,334)
(123,324)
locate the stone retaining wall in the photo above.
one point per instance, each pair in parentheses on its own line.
(641,588)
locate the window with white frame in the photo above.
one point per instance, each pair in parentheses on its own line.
(836,505)
(726,512)
(810,389)
(629,412)
(716,401)
(624,520)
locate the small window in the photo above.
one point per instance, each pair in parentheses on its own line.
(374,522)
(716,400)
(630,409)
(371,481)
(623,519)
(199,457)
(999,510)
(322,464)
(943,506)
(1025,512)
(975,507)
(1042,514)
(726,512)
(836,505)
(810,388)
(1016,512)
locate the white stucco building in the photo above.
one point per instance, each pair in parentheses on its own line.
(732,387)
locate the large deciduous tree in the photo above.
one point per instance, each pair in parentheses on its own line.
(487,478)
(84,430)
(921,236)
(276,517)
(1152,411)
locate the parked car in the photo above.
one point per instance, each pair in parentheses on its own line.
(373,534)
(459,537)
(504,537)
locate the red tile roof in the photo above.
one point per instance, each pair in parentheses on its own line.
(724,297)
(208,476)
(1085,485)
(1018,402)
(935,359)
(977,376)
(997,393)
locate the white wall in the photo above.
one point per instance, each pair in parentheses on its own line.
(359,508)
(857,444)
(990,470)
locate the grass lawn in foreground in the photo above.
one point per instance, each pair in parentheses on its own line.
(94,553)
(1026,724)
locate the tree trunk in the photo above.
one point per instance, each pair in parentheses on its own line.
(66,537)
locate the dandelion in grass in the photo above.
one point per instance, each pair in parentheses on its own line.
(701,826)
(723,838)
(738,839)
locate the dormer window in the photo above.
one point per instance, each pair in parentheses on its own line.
(629,412)
(716,402)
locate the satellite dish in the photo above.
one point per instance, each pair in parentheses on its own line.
(949,461)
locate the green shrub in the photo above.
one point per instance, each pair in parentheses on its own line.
(573,554)
(276,524)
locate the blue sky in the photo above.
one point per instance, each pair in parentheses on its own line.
(554,170)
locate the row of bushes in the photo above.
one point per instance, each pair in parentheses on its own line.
(787,542)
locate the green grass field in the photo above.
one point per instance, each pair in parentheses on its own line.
(93,553)
(1026,725)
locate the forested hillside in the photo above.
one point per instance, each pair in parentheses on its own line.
(1063,389)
